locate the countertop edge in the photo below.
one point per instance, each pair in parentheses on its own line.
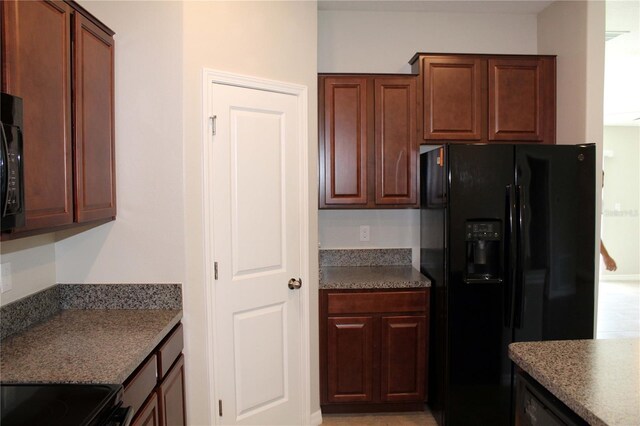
(582,411)
(145,351)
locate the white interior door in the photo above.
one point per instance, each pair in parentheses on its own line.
(256,182)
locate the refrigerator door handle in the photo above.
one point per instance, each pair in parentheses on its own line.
(510,257)
(519,269)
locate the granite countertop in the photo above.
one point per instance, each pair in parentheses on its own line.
(371,277)
(598,379)
(85,346)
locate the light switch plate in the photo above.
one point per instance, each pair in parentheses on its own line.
(5,277)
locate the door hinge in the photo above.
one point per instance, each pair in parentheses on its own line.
(220,407)
(213,124)
(215,270)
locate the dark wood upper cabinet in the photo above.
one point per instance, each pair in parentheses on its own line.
(520,100)
(36,58)
(487,98)
(368,141)
(94,130)
(396,148)
(452,98)
(59,59)
(345,143)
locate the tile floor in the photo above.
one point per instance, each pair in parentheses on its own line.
(618,309)
(420,418)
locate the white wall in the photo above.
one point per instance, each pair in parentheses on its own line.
(383,42)
(146,242)
(32,266)
(274,40)
(621,201)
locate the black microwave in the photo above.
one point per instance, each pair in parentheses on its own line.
(12,207)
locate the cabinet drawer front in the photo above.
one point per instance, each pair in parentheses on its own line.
(378,302)
(170,350)
(141,385)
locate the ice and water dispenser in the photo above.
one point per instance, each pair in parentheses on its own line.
(483,238)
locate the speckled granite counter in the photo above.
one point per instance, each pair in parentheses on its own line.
(371,277)
(598,379)
(84,346)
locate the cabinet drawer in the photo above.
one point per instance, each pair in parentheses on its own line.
(141,385)
(376,302)
(170,350)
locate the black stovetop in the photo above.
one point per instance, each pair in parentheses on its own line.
(57,404)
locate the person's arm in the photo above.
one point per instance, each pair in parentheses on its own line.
(609,263)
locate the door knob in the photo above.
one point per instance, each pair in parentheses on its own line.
(295,284)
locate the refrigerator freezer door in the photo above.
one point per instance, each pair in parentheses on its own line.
(555,285)
(479,371)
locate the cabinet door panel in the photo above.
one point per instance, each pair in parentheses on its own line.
(172,397)
(36,66)
(452,98)
(396,150)
(94,134)
(350,359)
(403,358)
(149,414)
(345,141)
(515,99)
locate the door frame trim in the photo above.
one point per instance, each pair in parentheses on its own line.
(209,77)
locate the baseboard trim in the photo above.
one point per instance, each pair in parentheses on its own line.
(316,418)
(620,277)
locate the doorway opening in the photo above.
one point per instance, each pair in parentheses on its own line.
(619,289)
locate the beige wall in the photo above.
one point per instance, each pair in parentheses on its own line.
(273,40)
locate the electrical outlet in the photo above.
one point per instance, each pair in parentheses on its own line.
(365,234)
(5,277)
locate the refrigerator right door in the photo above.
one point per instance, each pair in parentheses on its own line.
(554,292)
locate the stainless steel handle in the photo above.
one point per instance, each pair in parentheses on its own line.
(295,284)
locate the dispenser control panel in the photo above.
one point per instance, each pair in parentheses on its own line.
(488,231)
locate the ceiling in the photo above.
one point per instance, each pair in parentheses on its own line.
(622,57)
(451,6)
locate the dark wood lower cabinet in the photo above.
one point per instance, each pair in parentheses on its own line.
(149,414)
(350,359)
(171,394)
(156,390)
(373,350)
(403,358)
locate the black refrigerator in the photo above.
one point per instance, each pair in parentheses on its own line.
(508,240)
